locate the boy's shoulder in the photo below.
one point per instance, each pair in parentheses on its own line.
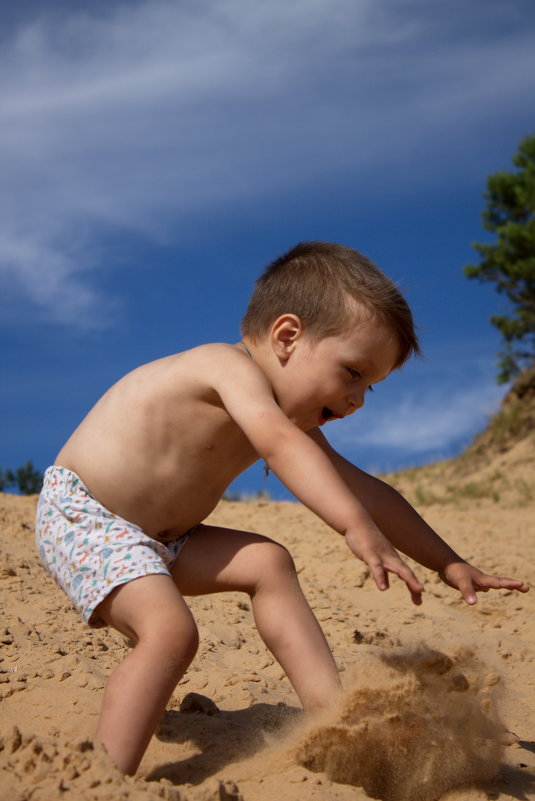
(198,354)
(225,368)
(216,353)
(210,349)
(214,361)
(212,372)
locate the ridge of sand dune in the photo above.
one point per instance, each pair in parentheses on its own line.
(497,467)
(232,729)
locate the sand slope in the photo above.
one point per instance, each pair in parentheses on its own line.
(415,721)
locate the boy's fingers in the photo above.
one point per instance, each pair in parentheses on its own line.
(468,587)
(380,570)
(468,593)
(492,583)
(502,583)
(416,598)
(513,584)
(405,573)
(380,576)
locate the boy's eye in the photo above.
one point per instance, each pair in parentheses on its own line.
(353,373)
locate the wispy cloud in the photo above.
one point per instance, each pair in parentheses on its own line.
(144,117)
(430,422)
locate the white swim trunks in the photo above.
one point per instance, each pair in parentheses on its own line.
(87,549)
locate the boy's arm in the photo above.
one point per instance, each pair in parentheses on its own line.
(304,468)
(409,532)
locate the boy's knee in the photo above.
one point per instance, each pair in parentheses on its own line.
(276,561)
(174,636)
(187,638)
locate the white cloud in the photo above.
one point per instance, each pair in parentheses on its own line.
(429,422)
(52,279)
(143,118)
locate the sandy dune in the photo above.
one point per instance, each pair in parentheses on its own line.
(431,691)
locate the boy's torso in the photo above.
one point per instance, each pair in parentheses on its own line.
(159,448)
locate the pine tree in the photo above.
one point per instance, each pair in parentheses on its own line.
(26,478)
(510,261)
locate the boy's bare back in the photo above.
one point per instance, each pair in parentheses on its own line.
(159,448)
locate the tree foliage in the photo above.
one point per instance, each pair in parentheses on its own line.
(510,261)
(26,478)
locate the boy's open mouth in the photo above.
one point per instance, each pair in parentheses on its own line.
(327,414)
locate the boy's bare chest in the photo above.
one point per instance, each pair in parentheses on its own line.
(216,450)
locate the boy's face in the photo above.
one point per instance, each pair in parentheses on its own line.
(327,379)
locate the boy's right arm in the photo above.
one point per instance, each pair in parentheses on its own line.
(313,479)
(305,469)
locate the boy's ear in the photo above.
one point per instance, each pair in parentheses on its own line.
(285,332)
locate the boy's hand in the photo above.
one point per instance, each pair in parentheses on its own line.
(468,580)
(374,549)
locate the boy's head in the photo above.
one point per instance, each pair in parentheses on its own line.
(325,284)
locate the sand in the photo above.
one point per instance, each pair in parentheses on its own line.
(431,692)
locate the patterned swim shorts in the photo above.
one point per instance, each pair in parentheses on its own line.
(87,549)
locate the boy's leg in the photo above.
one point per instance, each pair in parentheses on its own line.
(151,612)
(216,560)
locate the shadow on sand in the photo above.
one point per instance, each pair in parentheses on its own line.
(218,737)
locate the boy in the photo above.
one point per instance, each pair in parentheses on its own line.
(119,522)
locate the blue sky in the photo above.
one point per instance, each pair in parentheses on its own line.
(155,155)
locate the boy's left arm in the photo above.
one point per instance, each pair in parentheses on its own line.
(408,532)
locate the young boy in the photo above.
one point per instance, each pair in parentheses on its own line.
(119,522)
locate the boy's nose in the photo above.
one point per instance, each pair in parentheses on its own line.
(356,401)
